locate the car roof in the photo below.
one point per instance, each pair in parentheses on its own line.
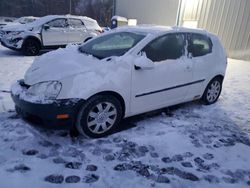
(48,18)
(158,29)
(29,17)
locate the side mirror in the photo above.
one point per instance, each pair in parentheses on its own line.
(142,62)
(46,26)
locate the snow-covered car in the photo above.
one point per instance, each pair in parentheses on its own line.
(122,73)
(21,20)
(26,19)
(5,21)
(49,32)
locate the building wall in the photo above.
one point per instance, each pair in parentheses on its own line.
(229,19)
(161,12)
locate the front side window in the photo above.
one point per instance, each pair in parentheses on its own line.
(170,46)
(76,23)
(115,44)
(199,45)
(58,23)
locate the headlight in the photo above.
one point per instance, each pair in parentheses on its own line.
(15,32)
(44,91)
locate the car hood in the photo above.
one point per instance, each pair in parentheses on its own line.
(17,27)
(62,63)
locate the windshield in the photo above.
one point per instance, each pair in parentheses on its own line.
(24,20)
(115,44)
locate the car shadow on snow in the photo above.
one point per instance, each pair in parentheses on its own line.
(10,53)
(124,125)
(131,122)
(5,52)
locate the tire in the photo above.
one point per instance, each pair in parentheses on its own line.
(99,116)
(31,47)
(213,91)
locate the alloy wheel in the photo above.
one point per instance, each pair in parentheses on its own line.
(101,117)
(213,91)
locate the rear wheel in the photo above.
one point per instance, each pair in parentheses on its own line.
(31,47)
(213,91)
(99,116)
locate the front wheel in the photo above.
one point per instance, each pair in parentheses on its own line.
(31,47)
(99,116)
(213,91)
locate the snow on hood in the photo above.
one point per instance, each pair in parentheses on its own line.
(17,27)
(28,26)
(59,64)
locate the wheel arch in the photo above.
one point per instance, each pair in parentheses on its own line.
(220,76)
(32,38)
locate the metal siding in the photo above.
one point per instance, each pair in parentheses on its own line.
(229,19)
(243,26)
(161,12)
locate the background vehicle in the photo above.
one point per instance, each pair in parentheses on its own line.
(49,32)
(21,20)
(5,20)
(123,73)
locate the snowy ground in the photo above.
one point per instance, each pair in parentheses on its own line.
(189,146)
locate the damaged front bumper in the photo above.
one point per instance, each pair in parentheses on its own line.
(57,114)
(14,43)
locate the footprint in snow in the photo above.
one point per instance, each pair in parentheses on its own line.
(90,178)
(54,178)
(30,152)
(72,179)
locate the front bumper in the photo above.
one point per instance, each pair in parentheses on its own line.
(12,43)
(49,115)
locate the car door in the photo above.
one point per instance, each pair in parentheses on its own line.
(77,31)
(168,81)
(55,33)
(200,53)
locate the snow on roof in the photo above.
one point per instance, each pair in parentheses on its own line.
(29,17)
(119,18)
(80,17)
(155,29)
(48,18)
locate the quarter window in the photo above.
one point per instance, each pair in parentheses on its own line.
(75,23)
(170,46)
(200,45)
(58,23)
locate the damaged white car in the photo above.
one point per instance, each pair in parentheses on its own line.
(49,32)
(125,72)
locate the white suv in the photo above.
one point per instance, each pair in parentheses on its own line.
(49,32)
(125,72)
(21,20)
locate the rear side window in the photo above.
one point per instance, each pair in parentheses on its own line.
(91,24)
(199,45)
(76,23)
(170,46)
(58,23)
